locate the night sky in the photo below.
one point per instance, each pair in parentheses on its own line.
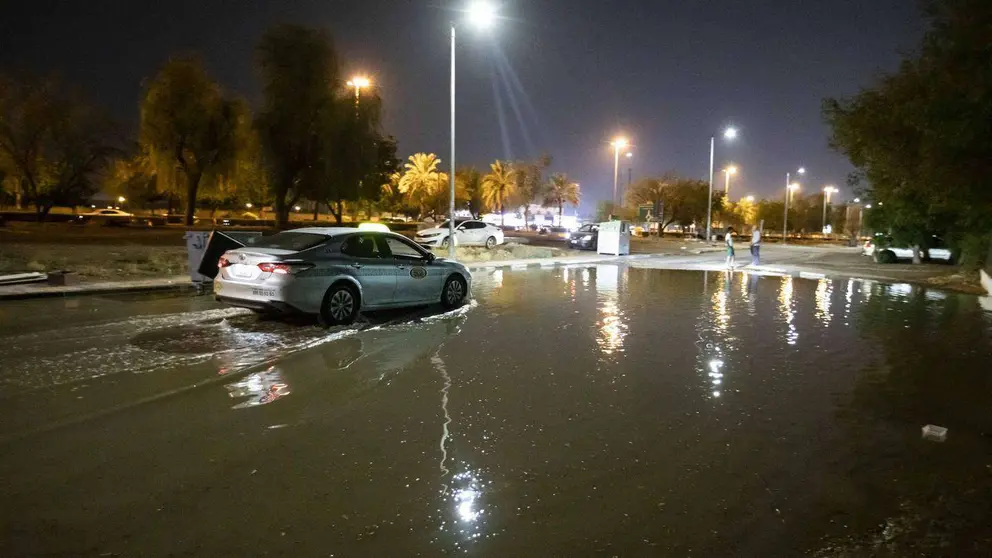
(566,75)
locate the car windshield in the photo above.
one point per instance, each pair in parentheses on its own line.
(589,228)
(289,240)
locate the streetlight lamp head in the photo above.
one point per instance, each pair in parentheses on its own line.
(629,154)
(857,200)
(121,199)
(868,206)
(359,81)
(731,170)
(793,187)
(620,143)
(730,133)
(749,198)
(481,14)
(802,170)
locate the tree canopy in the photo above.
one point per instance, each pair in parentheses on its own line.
(919,138)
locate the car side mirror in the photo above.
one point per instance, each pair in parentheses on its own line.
(431,257)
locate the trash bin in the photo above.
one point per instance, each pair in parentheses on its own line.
(196,245)
(614,238)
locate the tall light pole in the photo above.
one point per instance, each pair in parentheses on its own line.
(728,134)
(726,188)
(618,143)
(482,16)
(789,187)
(358,82)
(827,190)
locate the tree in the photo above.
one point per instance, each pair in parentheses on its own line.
(499,185)
(559,191)
(421,182)
(301,121)
(189,126)
(529,177)
(918,139)
(54,144)
(469,179)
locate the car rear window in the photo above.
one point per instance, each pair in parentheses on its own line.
(295,241)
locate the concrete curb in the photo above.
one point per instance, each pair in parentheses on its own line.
(553,262)
(22,292)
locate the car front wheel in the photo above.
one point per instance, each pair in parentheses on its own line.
(444,243)
(491,242)
(340,306)
(454,292)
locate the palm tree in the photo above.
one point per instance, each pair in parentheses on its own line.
(498,185)
(421,181)
(561,190)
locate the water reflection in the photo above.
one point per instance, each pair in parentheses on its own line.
(612,326)
(824,290)
(715,343)
(260,388)
(786,308)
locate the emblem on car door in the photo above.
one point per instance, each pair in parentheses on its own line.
(418,272)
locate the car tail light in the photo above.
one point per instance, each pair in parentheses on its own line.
(223,262)
(283,268)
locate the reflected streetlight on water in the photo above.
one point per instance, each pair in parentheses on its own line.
(786,308)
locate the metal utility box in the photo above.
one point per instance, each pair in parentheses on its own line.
(614,238)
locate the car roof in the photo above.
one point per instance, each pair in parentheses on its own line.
(326,231)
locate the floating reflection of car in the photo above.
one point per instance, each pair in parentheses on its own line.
(586,238)
(336,272)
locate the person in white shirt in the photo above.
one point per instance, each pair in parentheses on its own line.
(729,239)
(755,246)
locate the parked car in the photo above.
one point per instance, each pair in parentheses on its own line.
(560,232)
(586,238)
(469,232)
(336,272)
(107,216)
(885,250)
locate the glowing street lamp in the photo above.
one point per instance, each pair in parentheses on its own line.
(726,188)
(749,199)
(827,190)
(358,82)
(789,188)
(481,15)
(618,143)
(729,134)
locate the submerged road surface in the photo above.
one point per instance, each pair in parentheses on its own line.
(578,411)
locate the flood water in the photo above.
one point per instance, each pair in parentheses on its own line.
(603,410)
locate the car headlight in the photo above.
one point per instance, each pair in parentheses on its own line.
(428,235)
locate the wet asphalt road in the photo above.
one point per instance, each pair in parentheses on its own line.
(604,410)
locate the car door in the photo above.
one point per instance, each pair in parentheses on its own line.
(368,263)
(416,279)
(472,232)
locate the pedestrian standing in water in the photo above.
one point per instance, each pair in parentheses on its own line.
(729,239)
(755,246)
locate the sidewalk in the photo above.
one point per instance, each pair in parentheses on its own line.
(41,290)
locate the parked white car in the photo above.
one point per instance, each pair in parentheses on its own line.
(469,232)
(891,253)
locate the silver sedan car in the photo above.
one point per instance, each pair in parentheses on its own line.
(337,272)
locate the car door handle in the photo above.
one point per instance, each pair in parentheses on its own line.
(356,265)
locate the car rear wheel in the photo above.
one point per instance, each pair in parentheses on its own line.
(340,306)
(454,292)
(491,242)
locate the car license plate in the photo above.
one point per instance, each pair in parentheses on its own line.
(241,271)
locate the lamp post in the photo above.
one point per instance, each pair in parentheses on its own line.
(789,187)
(481,15)
(726,188)
(618,143)
(728,134)
(827,190)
